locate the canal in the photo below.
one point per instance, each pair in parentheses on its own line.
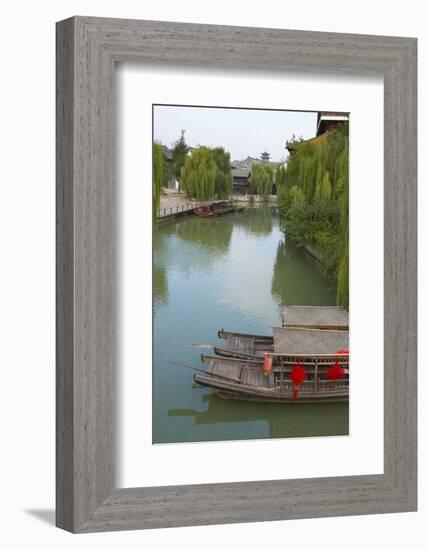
(232,272)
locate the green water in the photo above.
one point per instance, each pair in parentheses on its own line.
(232,272)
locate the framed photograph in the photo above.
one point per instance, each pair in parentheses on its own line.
(217,219)
(236,274)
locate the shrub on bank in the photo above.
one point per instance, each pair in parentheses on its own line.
(313,196)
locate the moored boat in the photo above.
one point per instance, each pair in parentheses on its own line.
(243,346)
(215,208)
(284,340)
(305,360)
(247,380)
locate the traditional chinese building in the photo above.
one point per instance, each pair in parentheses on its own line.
(328,121)
(241,181)
(241,173)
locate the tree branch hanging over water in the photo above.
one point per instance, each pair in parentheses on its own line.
(262,179)
(313,195)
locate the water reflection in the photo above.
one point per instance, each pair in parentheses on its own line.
(294,420)
(192,245)
(160,286)
(162,232)
(213,235)
(258,220)
(296,278)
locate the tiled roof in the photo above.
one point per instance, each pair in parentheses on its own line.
(240,172)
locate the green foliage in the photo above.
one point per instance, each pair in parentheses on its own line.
(160,175)
(261,179)
(224,180)
(207,174)
(280,177)
(179,154)
(342,293)
(198,175)
(313,202)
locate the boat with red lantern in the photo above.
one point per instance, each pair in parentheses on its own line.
(299,365)
(216,208)
(297,378)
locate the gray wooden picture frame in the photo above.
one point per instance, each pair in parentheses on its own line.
(87,50)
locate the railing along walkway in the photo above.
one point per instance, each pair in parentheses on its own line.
(180,209)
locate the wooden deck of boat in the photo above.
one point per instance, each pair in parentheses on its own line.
(244,372)
(253,376)
(240,342)
(290,341)
(334,317)
(246,343)
(223,367)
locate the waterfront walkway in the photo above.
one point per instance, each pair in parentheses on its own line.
(173,204)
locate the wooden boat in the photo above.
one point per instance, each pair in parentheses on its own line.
(321,317)
(245,380)
(314,338)
(285,340)
(243,346)
(214,208)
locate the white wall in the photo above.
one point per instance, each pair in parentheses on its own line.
(27,270)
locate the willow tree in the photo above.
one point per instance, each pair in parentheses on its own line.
(160,176)
(261,179)
(198,175)
(224,181)
(323,189)
(281,178)
(342,293)
(207,174)
(313,202)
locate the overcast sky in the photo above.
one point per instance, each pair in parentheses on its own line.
(242,132)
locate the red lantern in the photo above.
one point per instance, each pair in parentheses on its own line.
(298,374)
(336,372)
(267,364)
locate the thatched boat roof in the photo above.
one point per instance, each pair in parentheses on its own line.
(290,341)
(315,316)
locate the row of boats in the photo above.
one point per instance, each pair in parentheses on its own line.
(306,360)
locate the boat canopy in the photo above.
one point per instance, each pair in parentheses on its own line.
(316,316)
(290,341)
